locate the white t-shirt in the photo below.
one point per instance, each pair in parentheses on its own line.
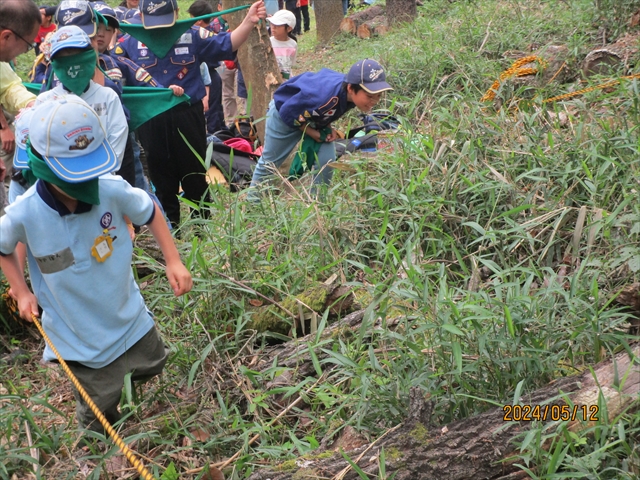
(285,55)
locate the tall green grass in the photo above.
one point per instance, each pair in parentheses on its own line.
(486,246)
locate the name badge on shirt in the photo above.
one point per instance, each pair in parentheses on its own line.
(181,50)
(185,38)
(100,108)
(102,248)
(56,262)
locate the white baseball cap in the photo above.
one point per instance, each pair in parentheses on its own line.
(283,17)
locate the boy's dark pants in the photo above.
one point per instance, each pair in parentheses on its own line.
(170,160)
(104,385)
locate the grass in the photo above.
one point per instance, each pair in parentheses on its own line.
(485,244)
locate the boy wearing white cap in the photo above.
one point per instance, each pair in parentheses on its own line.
(308,104)
(79,251)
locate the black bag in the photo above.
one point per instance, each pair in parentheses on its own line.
(237,168)
(243,128)
(367,143)
(374,122)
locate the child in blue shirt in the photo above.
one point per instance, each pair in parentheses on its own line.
(79,252)
(308,104)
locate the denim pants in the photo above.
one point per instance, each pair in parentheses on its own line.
(279,141)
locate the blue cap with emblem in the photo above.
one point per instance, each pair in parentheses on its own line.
(370,75)
(158,13)
(68,37)
(68,134)
(21,123)
(78,13)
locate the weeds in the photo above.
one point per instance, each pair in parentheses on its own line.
(485,247)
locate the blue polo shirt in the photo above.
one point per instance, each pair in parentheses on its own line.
(314,98)
(92,311)
(181,66)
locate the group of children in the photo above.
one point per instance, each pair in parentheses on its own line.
(73,215)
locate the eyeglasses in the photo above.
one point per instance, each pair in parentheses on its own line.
(30,45)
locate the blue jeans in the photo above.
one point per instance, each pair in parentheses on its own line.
(279,141)
(345,6)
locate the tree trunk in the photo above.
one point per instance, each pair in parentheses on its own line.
(401,11)
(472,447)
(328,17)
(259,66)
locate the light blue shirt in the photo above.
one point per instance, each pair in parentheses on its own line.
(93,312)
(271,6)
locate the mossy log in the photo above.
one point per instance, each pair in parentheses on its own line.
(307,307)
(473,447)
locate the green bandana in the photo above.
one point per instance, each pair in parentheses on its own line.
(87,192)
(75,71)
(307,154)
(160,40)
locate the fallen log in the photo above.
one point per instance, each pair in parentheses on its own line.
(473,447)
(376,26)
(612,58)
(351,23)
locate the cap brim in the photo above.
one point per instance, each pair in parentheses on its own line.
(276,22)
(90,29)
(101,161)
(159,21)
(73,44)
(376,87)
(20,158)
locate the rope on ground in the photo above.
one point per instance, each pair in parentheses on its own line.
(136,462)
(517,69)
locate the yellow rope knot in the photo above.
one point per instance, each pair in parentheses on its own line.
(515,70)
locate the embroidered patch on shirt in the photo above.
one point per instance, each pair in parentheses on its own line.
(114,74)
(142,75)
(56,262)
(181,51)
(119,50)
(185,38)
(141,45)
(204,33)
(182,73)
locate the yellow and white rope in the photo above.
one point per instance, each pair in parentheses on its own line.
(135,461)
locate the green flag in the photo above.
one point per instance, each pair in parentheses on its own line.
(160,40)
(143,103)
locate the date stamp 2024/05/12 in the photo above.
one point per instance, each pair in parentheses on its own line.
(555,413)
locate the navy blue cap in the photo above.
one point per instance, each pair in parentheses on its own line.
(78,13)
(370,75)
(108,13)
(159,13)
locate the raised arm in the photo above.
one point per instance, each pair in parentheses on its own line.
(240,34)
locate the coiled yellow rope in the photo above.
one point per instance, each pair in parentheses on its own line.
(136,462)
(515,70)
(518,70)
